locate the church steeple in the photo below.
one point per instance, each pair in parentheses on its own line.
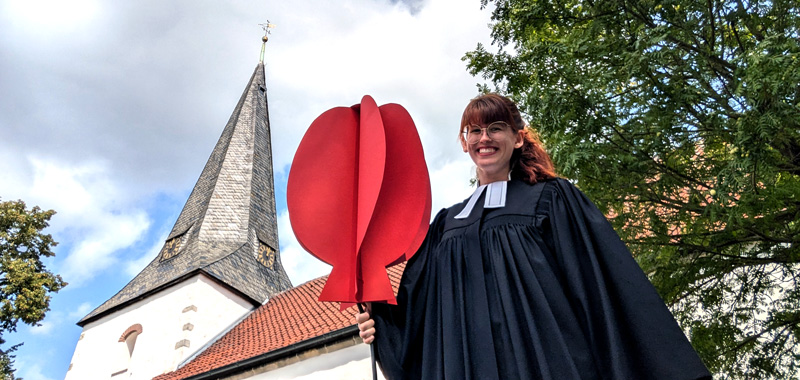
(228,227)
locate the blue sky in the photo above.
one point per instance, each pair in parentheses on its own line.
(109,110)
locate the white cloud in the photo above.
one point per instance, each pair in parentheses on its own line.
(102,241)
(93,215)
(71,189)
(44,328)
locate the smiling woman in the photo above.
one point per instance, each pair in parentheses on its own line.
(526,279)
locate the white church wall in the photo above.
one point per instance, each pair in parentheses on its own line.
(351,363)
(174,324)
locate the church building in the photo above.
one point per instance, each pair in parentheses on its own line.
(216,302)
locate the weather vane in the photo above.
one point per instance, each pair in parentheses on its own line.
(266,26)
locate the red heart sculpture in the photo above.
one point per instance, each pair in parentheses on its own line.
(359,197)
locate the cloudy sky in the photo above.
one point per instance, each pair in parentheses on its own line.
(109,110)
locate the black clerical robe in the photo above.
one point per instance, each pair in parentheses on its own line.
(542,288)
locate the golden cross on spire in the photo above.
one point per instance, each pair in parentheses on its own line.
(266,26)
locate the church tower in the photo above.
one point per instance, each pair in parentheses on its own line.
(219,262)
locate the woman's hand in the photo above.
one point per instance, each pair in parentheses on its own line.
(366,326)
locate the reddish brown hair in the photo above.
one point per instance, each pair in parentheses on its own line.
(529,163)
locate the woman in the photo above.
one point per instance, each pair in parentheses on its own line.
(526,279)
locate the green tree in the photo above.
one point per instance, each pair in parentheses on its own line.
(25,283)
(680,119)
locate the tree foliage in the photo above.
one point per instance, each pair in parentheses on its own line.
(25,283)
(681,120)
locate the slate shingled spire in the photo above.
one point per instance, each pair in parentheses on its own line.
(227,229)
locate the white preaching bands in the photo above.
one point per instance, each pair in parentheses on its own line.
(495,198)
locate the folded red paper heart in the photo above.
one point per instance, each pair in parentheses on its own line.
(359,197)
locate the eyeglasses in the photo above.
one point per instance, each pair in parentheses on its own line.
(473,133)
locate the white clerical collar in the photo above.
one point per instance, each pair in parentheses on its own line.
(495,198)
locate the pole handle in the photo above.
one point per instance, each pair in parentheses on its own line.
(371,350)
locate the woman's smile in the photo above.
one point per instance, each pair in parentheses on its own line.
(486,150)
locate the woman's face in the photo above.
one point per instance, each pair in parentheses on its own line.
(491,152)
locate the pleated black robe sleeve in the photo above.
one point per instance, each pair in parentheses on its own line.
(627,322)
(401,326)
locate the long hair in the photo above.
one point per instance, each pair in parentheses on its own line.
(530,162)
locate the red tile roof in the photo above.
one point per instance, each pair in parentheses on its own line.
(287,318)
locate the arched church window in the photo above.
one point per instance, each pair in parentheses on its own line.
(130,341)
(127,342)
